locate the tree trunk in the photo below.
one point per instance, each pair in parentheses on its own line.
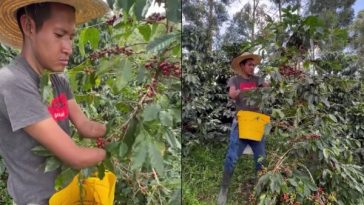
(280,10)
(210,28)
(255,6)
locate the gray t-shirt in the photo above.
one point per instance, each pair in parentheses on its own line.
(244,85)
(20,106)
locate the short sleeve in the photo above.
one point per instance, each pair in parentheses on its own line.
(260,81)
(68,89)
(232,82)
(60,82)
(23,105)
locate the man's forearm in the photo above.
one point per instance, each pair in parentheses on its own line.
(92,129)
(234,94)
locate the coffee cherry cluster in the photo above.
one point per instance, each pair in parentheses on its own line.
(155,17)
(285,197)
(321,197)
(100,142)
(88,70)
(169,68)
(111,51)
(312,136)
(152,63)
(112,20)
(152,88)
(251,198)
(289,199)
(288,71)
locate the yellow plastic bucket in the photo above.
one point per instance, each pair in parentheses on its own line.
(251,125)
(94,192)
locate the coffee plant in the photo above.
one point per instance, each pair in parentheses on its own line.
(315,103)
(311,102)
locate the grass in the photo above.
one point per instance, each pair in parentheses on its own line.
(202,173)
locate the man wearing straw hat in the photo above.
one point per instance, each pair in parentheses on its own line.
(43,30)
(243,81)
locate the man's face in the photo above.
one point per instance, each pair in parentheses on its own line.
(52,44)
(248,67)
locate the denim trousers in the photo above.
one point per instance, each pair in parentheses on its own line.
(237,146)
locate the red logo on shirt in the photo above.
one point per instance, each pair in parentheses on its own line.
(248,86)
(58,108)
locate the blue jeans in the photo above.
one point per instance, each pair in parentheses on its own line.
(237,146)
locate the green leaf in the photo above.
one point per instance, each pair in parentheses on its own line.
(176,115)
(109,165)
(101,171)
(140,8)
(87,172)
(45,88)
(279,112)
(125,74)
(262,182)
(154,28)
(172,140)
(64,178)
(41,151)
(176,197)
(313,21)
(145,31)
(177,50)
(111,3)
(107,65)
(156,159)
(162,42)
(275,183)
(173,10)
(142,73)
(125,4)
(332,117)
(326,151)
(2,167)
(123,149)
(166,118)
(325,101)
(140,151)
(292,182)
(113,147)
(91,35)
(151,112)
(52,164)
(131,131)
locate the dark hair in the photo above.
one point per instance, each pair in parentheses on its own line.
(243,62)
(39,12)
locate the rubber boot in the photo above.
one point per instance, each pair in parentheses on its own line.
(222,198)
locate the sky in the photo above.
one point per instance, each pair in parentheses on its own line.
(358,6)
(238,4)
(154,8)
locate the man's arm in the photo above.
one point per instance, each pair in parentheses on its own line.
(48,133)
(233,92)
(266,84)
(85,127)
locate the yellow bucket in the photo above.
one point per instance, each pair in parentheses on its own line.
(251,125)
(94,192)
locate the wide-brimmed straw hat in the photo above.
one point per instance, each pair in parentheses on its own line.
(235,63)
(10,33)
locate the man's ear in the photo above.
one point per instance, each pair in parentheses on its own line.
(27,24)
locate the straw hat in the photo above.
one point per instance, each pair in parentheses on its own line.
(235,64)
(10,33)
